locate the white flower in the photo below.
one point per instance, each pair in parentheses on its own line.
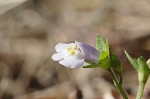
(74,55)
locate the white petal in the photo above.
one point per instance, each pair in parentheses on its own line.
(61,47)
(57,56)
(72,62)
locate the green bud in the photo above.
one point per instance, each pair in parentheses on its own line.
(140,66)
(143,69)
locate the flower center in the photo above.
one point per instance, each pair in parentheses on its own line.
(72,49)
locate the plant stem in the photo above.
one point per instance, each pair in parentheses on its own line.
(140,90)
(119,86)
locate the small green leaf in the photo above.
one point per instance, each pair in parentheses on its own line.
(116,63)
(100,44)
(116,67)
(103,55)
(132,61)
(105,63)
(102,47)
(107,47)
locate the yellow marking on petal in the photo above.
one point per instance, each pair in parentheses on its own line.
(72,52)
(69,48)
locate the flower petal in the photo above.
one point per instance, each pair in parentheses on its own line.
(57,56)
(72,62)
(90,53)
(61,47)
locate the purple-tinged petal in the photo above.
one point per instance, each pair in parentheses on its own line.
(90,53)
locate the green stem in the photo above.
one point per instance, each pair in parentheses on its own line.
(140,90)
(120,89)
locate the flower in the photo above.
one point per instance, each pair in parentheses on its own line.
(74,55)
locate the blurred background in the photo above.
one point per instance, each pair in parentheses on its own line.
(30,29)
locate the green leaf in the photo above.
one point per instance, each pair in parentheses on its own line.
(103,55)
(116,67)
(116,63)
(100,44)
(132,61)
(105,63)
(107,47)
(102,47)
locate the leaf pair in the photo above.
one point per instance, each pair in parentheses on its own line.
(140,66)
